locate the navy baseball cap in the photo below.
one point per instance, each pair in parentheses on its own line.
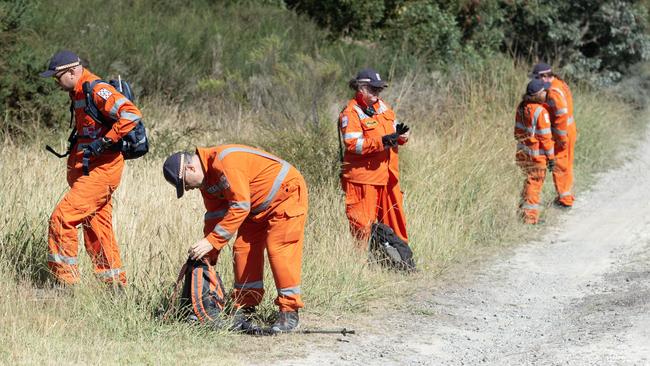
(535,86)
(541,68)
(61,60)
(173,171)
(371,76)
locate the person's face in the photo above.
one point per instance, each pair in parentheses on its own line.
(370,94)
(547,78)
(192,175)
(66,79)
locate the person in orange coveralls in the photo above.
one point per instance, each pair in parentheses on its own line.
(88,202)
(370,171)
(560,106)
(262,200)
(535,151)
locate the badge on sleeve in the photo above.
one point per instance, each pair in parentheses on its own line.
(104,93)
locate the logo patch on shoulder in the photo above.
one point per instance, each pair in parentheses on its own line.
(104,93)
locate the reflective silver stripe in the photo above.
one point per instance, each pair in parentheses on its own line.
(130,116)
(58,258)
(544,131)
(382,108)
(80,104)
(529,206)
(360,113)
(521,126)
(569,121)
(358,148)
(289,291)
(274,189)
(109,273)
(559,91)
(222,232)
(247,285)
(244,205)
(229,150)
(565,194)
(528,150)
(278,180)
(549,151)
(352,135)
(561,112)
(116,107)
(538,111)
(215,214)
(558,132)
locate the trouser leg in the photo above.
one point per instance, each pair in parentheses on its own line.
(531,194)
(248,264)
(285,244)
(391,210)
(563,171)
(101,245)
(84,199)
(361,206)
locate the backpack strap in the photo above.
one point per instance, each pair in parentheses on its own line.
(91,108)
(72,138)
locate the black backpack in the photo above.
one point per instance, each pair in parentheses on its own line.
(134,145)
(388,250)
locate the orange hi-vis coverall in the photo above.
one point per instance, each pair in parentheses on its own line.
(370,172)
(534,149)
(263,199)
(560,103)
(88,202)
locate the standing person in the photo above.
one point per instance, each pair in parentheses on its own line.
(535,151)
(370,172)
(261,198)
(88,202)
(560,104)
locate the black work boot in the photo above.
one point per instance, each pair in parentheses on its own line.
(287,322)
(242,322)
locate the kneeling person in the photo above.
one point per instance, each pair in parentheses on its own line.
(263,199)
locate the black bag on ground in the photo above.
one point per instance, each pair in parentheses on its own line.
(203,294)
(387,249)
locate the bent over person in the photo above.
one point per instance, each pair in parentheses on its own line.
(563,126)
(370,171)
(535,152)
(93,173)
(262,200)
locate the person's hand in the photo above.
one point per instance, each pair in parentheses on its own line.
(390,140)
(403,138)
(550,164)
(199,249)
(98,146)
(401,128)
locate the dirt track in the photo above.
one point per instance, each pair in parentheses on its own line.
(579,296)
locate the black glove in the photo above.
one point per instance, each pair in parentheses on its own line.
(390,140)
(401,128)
(99,146)
(550,164)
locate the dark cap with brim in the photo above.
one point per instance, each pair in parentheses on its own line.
(371,77)
(541,68)
(173,171)
(61,60)
(535,86)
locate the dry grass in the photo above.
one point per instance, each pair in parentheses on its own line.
(461,190)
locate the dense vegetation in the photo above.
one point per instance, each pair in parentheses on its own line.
(259,73)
